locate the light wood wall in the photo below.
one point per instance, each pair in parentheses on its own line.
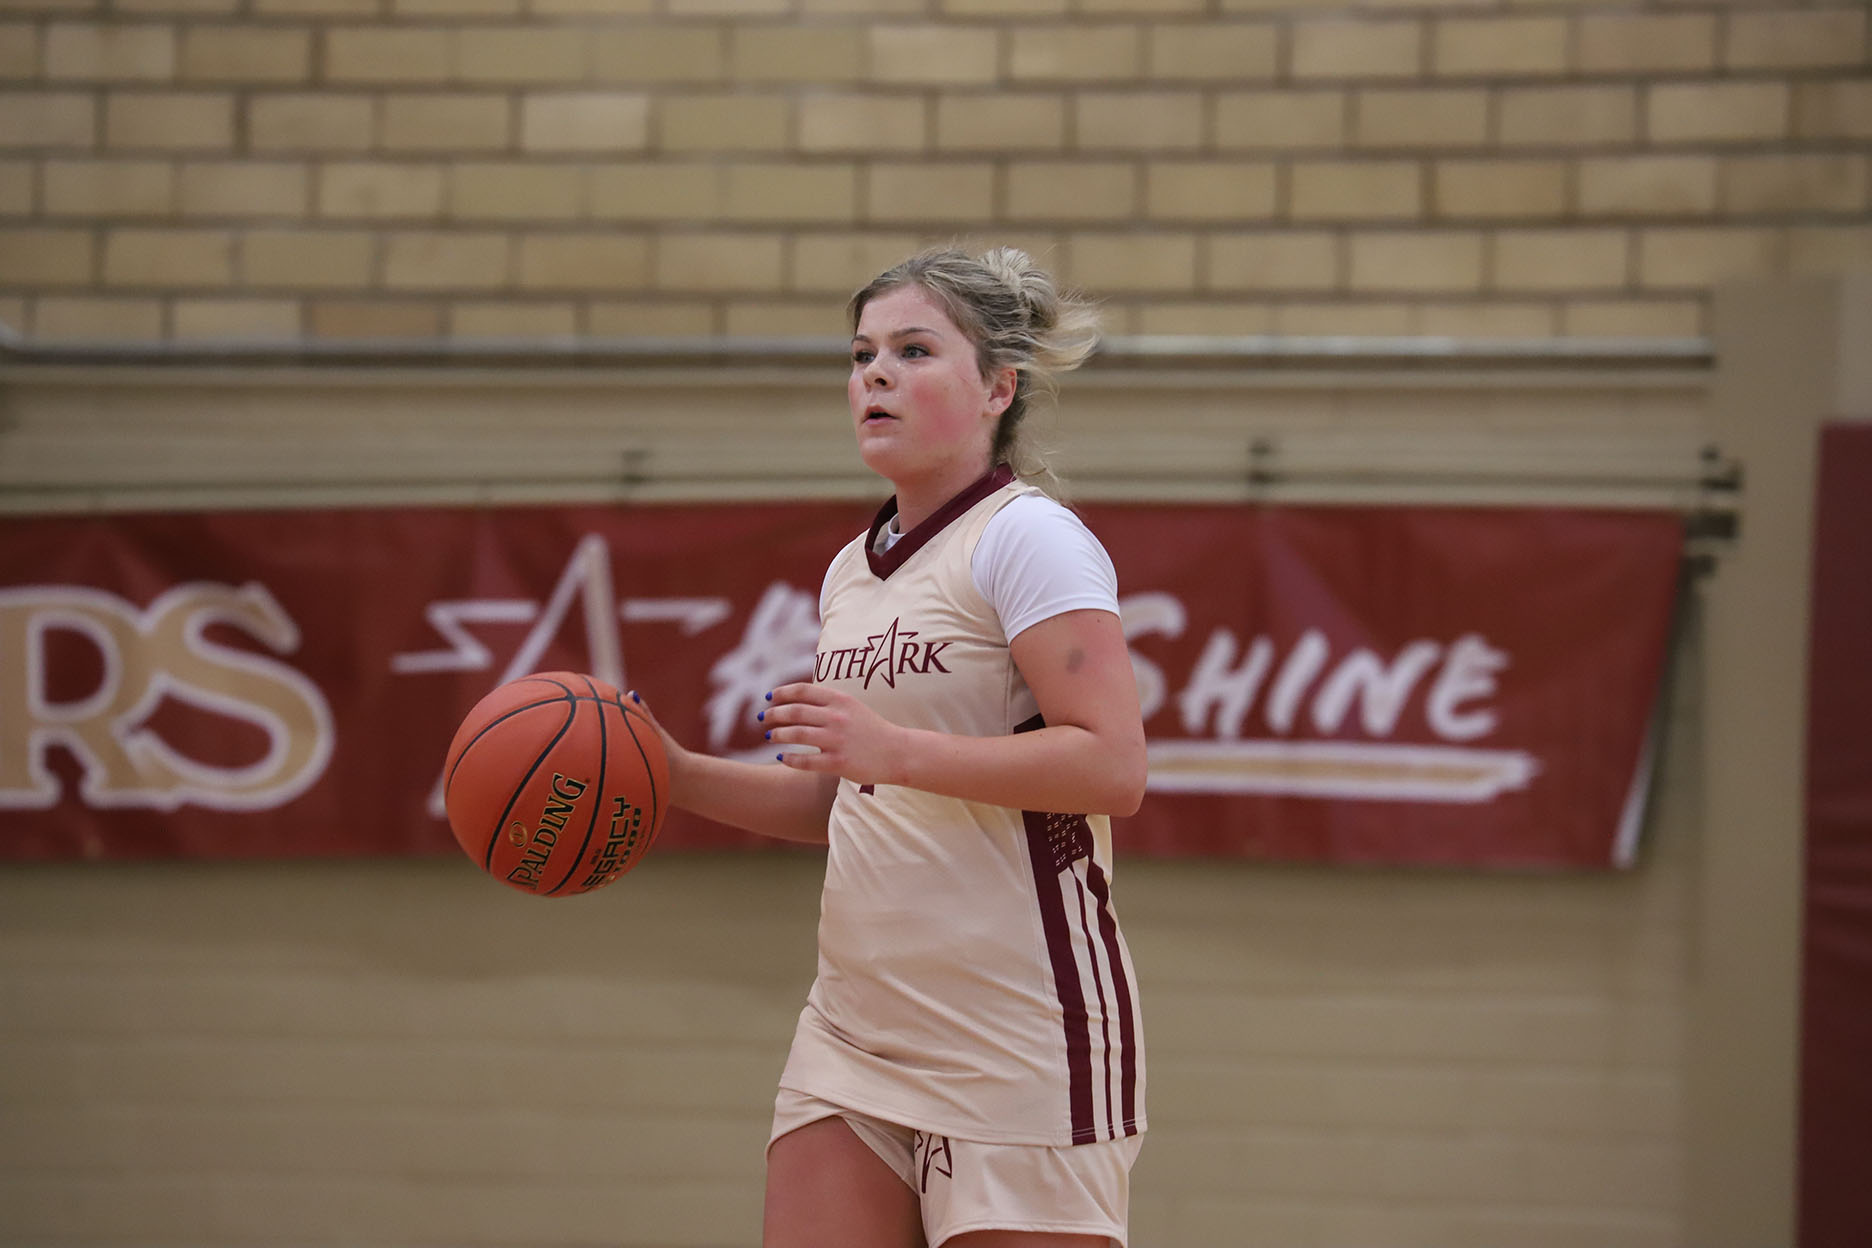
(395,1053)
(386,1054)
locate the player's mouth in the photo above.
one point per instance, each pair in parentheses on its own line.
(875,413)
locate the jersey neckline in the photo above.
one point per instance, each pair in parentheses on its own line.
(883,565)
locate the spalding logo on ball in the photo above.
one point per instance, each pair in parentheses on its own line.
(556,784)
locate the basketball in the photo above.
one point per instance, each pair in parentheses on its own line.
(555,784)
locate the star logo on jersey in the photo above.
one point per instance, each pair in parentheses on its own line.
(883,648)
(888,654)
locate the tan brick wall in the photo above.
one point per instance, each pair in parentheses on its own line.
(1114,132)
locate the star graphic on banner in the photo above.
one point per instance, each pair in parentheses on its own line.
(884,651)
(584,594)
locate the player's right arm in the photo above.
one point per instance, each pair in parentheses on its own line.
(772,800)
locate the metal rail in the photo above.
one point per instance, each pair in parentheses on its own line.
(61,465)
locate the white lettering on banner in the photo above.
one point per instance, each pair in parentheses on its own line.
(1227,690)
(1245,706)
(778,646)
(467,653)
(694,614)
(1146,615)
(1303,664)
(1228,680)
(1468,674)
(587,577)
(1380,692)
(585,581)
(159,651)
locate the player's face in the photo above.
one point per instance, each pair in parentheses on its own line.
(923,410)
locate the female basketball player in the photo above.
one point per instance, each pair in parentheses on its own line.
(968,1069)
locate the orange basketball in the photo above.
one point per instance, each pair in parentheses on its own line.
(556,784)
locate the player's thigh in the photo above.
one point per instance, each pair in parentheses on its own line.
(1024,1239)
(827,1189)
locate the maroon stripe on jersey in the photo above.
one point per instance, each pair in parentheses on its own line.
(1066,984)
(1048,838)
(888,562)
(1121,988)
(1098,983)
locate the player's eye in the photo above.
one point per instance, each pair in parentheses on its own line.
(915,349)
(863,356)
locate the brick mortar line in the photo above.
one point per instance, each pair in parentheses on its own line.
(1337,295)
(1844,146)
(1195,228)
(1494,87)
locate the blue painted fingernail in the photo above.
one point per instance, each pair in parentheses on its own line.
(770,697)
(780,758)
(762,715)
(634,696)
(770,736)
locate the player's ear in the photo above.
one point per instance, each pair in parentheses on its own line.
(1001,389)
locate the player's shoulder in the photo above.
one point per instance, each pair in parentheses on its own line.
(1034,518)
(845,565)
(1036,535)
(1041,561)
(851,552)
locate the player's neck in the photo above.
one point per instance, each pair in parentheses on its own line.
(921,497)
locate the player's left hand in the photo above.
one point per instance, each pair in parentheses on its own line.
(853,740)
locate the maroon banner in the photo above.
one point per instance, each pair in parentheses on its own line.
(1836,1010)
(1382,685)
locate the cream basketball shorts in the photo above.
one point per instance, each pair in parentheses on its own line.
(964,1186)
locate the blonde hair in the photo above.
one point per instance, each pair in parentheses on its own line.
(1016,315)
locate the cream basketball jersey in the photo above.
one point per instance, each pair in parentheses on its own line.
(972,981)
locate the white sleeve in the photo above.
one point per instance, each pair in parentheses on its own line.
(1036,560)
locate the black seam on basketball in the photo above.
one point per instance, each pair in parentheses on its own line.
(545,680)
(649,774)
(597,797)
(485,729)
(487,861)
(506,715)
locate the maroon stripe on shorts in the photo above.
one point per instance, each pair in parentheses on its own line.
(1098,982)
(1121,988)
(1059,943)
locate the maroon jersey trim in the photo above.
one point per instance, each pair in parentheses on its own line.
(1047,840)
(883,565)
(1121,989)
(1098,984)
(1074,1020)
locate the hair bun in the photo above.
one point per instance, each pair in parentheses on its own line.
(1030,284)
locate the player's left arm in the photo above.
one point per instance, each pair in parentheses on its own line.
(1088,759)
